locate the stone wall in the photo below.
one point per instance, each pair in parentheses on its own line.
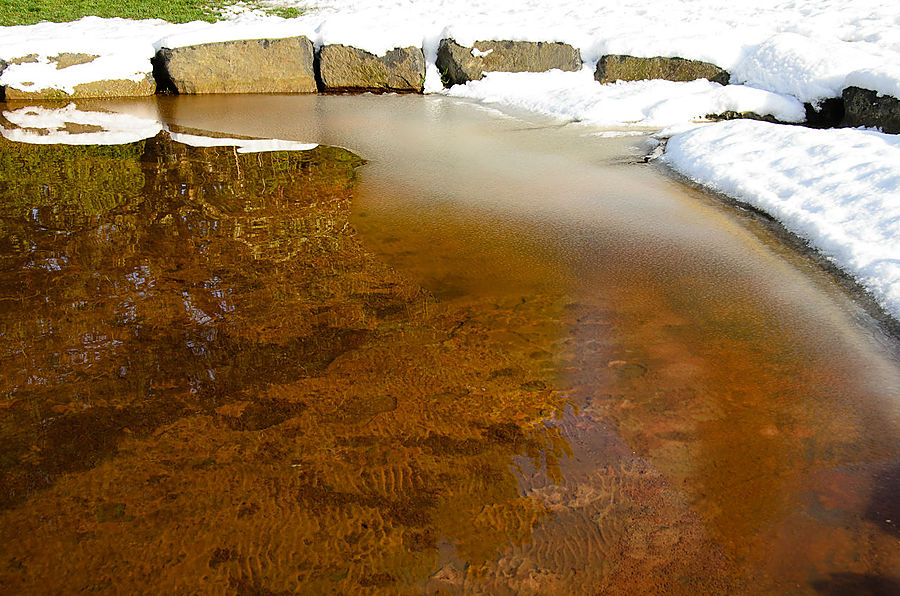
(292,65)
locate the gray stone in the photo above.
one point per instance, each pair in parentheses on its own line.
(619,67)
(345,68)
(864,107)
(733,115)
(459,64)
(106,89)
(243,66)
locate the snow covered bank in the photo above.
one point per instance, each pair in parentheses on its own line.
(806,49)
(123,48)
(838,189)
(578,97)
(807,42)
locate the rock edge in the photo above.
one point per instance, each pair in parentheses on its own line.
(283,65)
(459,64)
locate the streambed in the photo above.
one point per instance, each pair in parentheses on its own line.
(502,356)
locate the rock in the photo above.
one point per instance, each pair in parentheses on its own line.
(618,67)
(2,88)
(827,113)
(113,87)
(345,68)
(107,88)
(67,59)
(29,59)
(733,115)
(459,64)
(242,66)
(864,107)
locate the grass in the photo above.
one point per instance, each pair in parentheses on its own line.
(28,12)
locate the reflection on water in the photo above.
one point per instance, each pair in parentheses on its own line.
(208,384)
(217,379)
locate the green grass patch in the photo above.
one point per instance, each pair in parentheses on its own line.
(28,12)
(285,12)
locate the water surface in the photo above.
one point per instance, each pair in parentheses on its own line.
(500,357)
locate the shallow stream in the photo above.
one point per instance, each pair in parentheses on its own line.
(500,356)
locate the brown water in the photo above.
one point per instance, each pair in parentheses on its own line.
(515,363)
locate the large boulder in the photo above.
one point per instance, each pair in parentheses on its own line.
(459,64)
(345,68)
(620,67)
(242,66)
(864,107)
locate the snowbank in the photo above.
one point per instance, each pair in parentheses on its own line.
(123,47)
(575,96)
(838,189)
(804,48)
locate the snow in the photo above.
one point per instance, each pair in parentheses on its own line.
(124,48)
(839,189)
(576,96)
(885,79)
(807,68)
(806,48)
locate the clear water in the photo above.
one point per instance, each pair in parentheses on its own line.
(503,356)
